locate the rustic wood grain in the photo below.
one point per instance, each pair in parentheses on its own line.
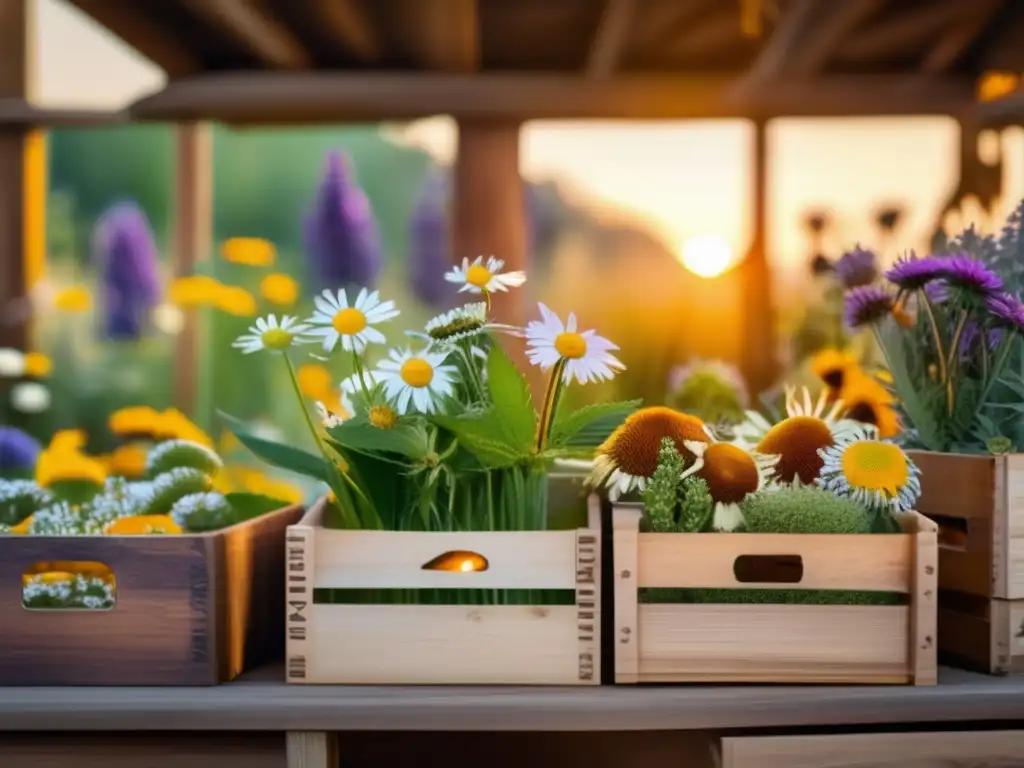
(190,610)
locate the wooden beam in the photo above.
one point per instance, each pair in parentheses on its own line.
(834,25)
(347,22)
(440,34)
(285,98)
(952,47)
(130,22)
(903,30)
(610,39)
(774,58)
(252,26)
(20,112)
(1001,113)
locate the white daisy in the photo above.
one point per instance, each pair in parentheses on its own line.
(30,397)
(874,473)
(12,362)
(731,473)
(331,419)
(418,380)
(587,356)
(335,320)
(272,335)
(351,385)
(479,277)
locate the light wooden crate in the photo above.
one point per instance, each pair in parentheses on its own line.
(194,609)
(760,643)
(443,644)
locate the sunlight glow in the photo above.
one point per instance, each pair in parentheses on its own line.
(707,255)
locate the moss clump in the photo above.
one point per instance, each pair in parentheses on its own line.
(19,499)
(173,454)
(200,512)
(175,484)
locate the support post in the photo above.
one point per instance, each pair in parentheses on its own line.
(22,178)
(758,358)
(193,242)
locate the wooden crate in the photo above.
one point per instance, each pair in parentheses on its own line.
(443,644)
(978,503)
(982,634)
(195,609)
(759,643)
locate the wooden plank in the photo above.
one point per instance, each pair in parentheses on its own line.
(625,567)
(986,749)
(955,44)
(17,111)
(250,23)
(611,38)
(394,559)
(903,29)
(437,35)
(349,24)
(301,97)
(588,594)
(444,645)
(830,561)
(773,643)
(300,567)
(312,749)
(924,603)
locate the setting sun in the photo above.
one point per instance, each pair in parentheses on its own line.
(707,255)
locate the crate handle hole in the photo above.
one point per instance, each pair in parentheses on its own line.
(457,561)
(84,585)
(953,531)
(768,569)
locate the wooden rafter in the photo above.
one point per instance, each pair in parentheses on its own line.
(905,29)
(347,22)
(147,35)
(441,34)
(251,24)
(794,26)
(951,47)
(610,41)
(20,112)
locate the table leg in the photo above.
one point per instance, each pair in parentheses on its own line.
(312,749)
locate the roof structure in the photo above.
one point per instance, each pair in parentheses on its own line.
(326,60)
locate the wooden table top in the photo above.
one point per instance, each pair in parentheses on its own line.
(261,701)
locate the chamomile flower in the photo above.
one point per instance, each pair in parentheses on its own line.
(874,473)
(416,381)
(272,335)
(333,418)
(587,356)
(481,277)
(462,323)
(352,324)
(732,473)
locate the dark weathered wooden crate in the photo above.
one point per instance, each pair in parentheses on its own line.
(195,609)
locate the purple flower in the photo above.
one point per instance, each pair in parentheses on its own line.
(18,450)
(125,252)
(867,305)
(856,268)
(970,339)
(911,274)
(1006,310)
(937,291)
(967,272)
(340,234)
(430,250)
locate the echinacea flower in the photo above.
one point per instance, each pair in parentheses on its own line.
(798,437)
(416,381)
(626,461)
(586,356)
(867,305)
(272,335)
(874,473)
(856,268)
(732,473)
(480,277)
(335,320)
(912,273)
(1006,310)
(966,272)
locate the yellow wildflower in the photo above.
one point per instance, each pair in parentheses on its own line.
(279,289)
(73,300)
(67,440)
(127,461)
(251,251)
(21,529)
(236,301)
(140,525)
(38,365)
(314,380)
(54,466)
(194,291)
(136,420)
(229,443)
(175,425)
(48,577)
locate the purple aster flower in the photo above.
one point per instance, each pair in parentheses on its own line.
(125,252)
(430,250)
(1006,310)
(964,271)
(970,339)
(937,291)
(911,274)
(867,305)
(856,268)
(18,450)
(340,234)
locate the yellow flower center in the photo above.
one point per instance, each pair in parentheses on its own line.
(383,417)
(571,345)
(478,275)
(633,447)
(797,441)
(417,372)
(349,321)
(276,338)
(730,472)
(875,466)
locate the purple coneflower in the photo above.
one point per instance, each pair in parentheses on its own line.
(1006,310)
(912,273)
(18,451)
(429,246)
(867,305)
(964,271)
(856,268)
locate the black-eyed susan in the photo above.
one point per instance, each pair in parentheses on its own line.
(134,421)
(280,289)
(732,473)
(833,366)
(874,473)
(796,439)
(68,466)
(67,440)
(867,401)
(127,461)
(626,461)
(335,320)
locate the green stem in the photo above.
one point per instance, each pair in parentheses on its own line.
(940,350)
(358,365)
(954,348)
(547,414)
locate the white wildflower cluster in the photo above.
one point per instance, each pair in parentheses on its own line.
(119,499)
(19,499)
(202,512)
(77,591)
(172,485)
(64,519)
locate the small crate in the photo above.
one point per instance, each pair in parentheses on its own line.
(194,609)
(981,634)
(443,644)
(761,643)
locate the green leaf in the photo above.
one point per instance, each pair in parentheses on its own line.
(407,438)
(592,424)
(513,414)
(279,454)
(249,506)
(478,436)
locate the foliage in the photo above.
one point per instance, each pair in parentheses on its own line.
(709,390)
(672,503)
